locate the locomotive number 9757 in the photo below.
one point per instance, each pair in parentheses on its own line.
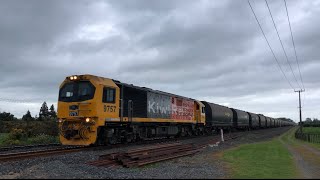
(108,108)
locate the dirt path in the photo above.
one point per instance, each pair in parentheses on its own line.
(307,158)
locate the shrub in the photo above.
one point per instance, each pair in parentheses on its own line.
(36,128)
(11,142)
(17,134)
(15,137)
(43,139)
(32,133)
(32,128)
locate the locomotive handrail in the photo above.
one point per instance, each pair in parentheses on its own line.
(84,103)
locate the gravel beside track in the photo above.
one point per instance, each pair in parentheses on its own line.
(205,164)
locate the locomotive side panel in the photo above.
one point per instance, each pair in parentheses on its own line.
(182,109)
(166,107)
(138,98)
(159,106)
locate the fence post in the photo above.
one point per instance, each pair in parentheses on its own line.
(312,138)
(308,135)
(221,131)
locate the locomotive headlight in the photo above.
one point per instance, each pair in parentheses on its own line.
(60,120)
(71,78)
(75,77)
(87,120)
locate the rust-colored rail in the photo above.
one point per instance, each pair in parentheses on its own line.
(9,148)
(31,154)
(155,153)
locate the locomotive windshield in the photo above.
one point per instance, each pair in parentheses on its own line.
(76,91)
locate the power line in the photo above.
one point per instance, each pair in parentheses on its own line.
(270,46)
(14,100)
(274,24)
(294,47)
(304,99)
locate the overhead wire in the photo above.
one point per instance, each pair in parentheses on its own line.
(295,53)
(14,100)
(270,46)
(294,47)
(274,24)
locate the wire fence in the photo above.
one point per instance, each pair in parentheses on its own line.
(312,138)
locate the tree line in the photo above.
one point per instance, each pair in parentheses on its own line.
(45,113)
(285,119)
(315,122)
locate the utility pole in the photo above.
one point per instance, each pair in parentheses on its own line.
(300,108)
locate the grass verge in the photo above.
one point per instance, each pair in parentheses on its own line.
(268,159)
(290,139)
(311,130)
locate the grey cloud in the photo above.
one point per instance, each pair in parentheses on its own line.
(136,6)
(198,49)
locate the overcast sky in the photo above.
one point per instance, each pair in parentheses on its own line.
(209,50)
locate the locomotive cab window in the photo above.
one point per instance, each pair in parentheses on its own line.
(76,91)
(109,95)
(202,109)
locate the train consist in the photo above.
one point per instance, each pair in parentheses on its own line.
(96,110)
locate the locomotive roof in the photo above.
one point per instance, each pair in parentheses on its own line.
(151,90)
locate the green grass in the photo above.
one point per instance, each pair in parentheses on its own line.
(268,159)
(290,139)
(3,137)
(5,140)
(314,145)
(42,139)
(311,130)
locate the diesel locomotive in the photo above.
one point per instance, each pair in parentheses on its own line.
(94,110)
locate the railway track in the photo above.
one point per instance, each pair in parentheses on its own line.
(39,153)
(62,150)
(3,149)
